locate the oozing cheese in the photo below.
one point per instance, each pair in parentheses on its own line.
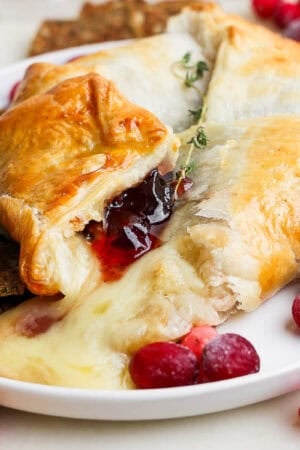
(157,299)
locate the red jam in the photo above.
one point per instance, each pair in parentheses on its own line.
(129,227)
(116,256)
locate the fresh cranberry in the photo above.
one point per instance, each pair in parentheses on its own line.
(228,356)
(264,8)
(163,364)
(286,12)
(293,30)
(198,337)
(13,91)
(296,310)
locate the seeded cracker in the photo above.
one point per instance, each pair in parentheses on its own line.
(114,20)
(10,283)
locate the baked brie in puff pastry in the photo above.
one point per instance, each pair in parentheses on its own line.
(231,242)
(229,245)
(63,155)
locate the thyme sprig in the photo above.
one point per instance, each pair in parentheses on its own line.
(196,114)
(190,72)
(199,141)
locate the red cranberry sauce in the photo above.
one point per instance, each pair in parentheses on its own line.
(128,230)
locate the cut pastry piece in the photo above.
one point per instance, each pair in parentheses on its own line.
(64,154)
(243,229)
(143,71)
(262,66)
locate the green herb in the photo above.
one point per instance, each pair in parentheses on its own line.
(201,67)
(186,58)
(199,140)
(193,71)
(196,114)
(186,170)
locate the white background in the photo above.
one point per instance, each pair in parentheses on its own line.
(270,425)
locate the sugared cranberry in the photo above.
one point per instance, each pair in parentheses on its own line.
(296,310)
(198,337)
(13,91)
(285,12)
(264,8)
(293,30)
(228,356)
(163,364)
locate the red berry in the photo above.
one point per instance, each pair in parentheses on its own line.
(13,91)
(198,337)
(286,12)
(296,310)
(163,364)
(293,30)
(228,356)
(264,8)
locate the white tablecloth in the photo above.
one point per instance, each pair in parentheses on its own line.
(271,425)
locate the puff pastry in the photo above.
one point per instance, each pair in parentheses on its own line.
(142,70)
(263,67)
(63,154)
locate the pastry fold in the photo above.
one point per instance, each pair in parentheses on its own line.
(255,72)
(143,70)
(64,154)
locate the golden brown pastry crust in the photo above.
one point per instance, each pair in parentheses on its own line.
(63,154)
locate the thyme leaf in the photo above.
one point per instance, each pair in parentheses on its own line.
(199,140)
(186,58)
(196,114)
(193,71)
(187,169)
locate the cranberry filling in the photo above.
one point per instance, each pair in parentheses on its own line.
(130,225)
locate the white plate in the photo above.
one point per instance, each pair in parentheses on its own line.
(270,329)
